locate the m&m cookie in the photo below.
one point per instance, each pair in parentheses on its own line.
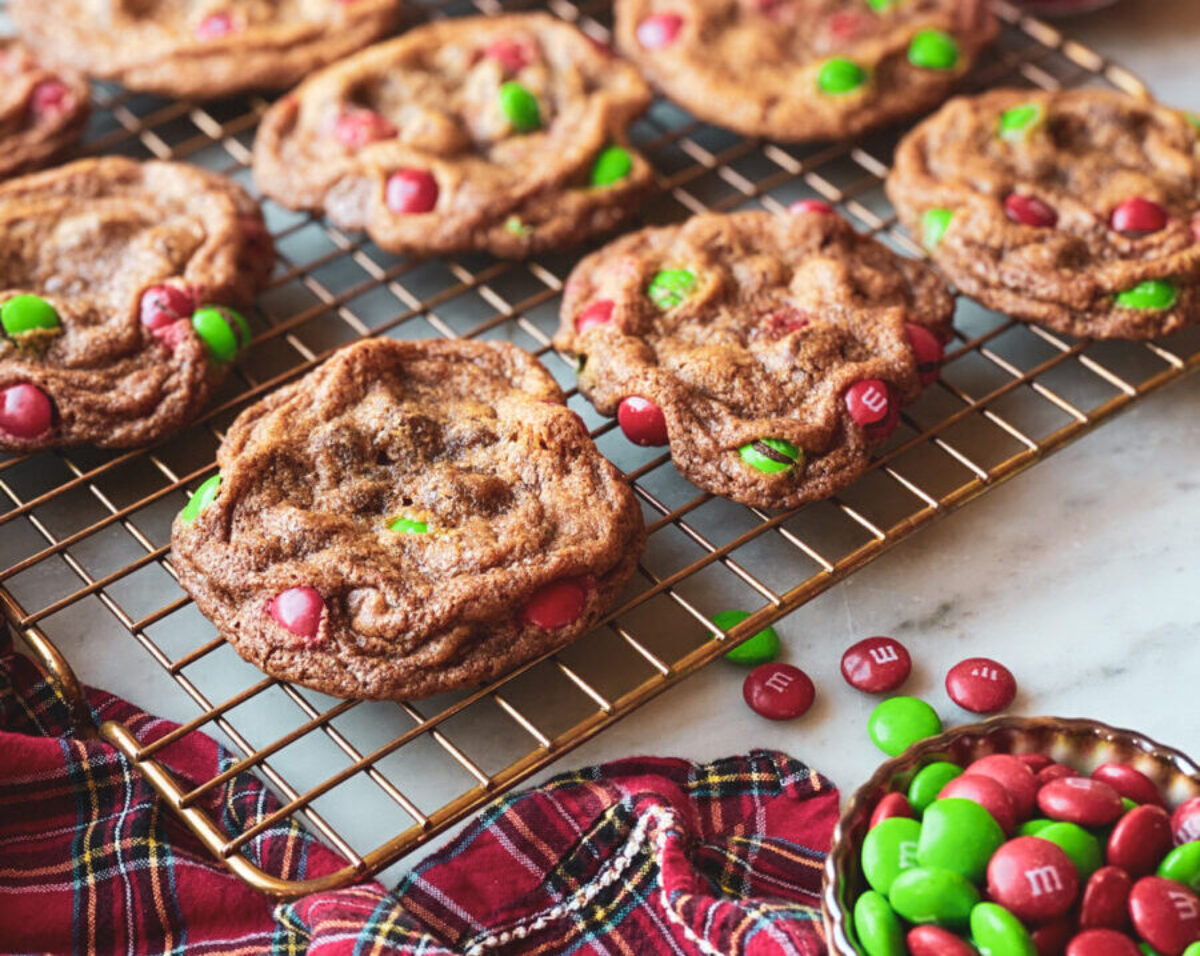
(1074,209)
(504,134)
(770,353)
(118,305)
(409,518)
(42,111)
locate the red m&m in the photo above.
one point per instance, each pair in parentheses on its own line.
(1032,878)
(597,313)
(1141,838)
(892,805)
(642,421)
(25,411)
(411,191)
(1081,800)
(872,407)
(357,128)
(659,30)
(928,351)
(50,98)
(1165,914)
(512,55)
(811,206)
(1129,782)
(987,793)
(876,665)
(299,610)
(778,691)
(981,685)
(1185,822)
(1030,211)
(1138,217)
(163,305)
(1105,902)
(1102,942)
(216,25)
(557,604)
(1014,776)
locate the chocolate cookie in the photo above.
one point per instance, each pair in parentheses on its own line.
(804,69)
(410,518)
(1079,210)
(503,134)
(42,113)
(107,271)
(771,352)
(201,48)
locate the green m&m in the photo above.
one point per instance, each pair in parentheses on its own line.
(996,932)
(772,456)
(408,526)
(933,50)
(1033,827)
(958,835)
(223,330)
(520,107)
(1154,294)
(611,166)
(762,648)
(1081,847)
(839,75)
(670,287)
(1183,865)
(1193,950)
(928,783)
(204,496)
(878,928)
(880,5)
(899,722)
(934,224)
(930,895)
(514,225)
(28,313)
(1017,123)
(889,848)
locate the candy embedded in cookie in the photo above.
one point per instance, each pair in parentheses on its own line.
(110,331)
(410,518)
(770,352)
(804,69)
(1076,210)
(201,50)
(42,112)
(502,134)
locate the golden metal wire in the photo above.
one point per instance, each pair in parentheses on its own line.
(87,533)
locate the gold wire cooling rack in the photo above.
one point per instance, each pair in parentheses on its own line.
(84,534)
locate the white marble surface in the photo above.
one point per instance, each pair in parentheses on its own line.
(1080,575)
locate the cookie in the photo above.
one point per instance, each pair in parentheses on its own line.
(201,48)
(410,518)
(114,281)
(804,69)
(42,113)
(771,352)
(1078,210)
(504,134)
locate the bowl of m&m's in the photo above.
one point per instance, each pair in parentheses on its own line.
(1020,837)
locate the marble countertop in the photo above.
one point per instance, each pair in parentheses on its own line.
(1080,575)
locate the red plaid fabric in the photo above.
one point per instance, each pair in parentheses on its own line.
(641,856)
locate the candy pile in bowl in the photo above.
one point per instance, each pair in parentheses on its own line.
(1018,854)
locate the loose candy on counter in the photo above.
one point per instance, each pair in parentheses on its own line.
(1090,803)
(981,685)
(876,665)
(1182,865)
(899,722)
(930,940)
(1141,838)
(987,793)
(931,895)
(1033,878)
(997,932)
(762,648)
(888,850)
(892,805)
(778,691)
(929,781)
(1105,903)
(1082,847)
(878,927)
(1129,782)
(1014,776)
(958,835)
(1102,942)
(1165,914)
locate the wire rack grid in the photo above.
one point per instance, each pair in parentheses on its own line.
(84,534)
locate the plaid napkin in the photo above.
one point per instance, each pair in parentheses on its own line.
(640,856)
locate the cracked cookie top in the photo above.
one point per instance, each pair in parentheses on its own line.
(1076,209)
(804,69)
(770,352)
(409,518)
(504,134)
(114,281)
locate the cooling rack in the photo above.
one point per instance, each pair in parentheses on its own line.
(84,534)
